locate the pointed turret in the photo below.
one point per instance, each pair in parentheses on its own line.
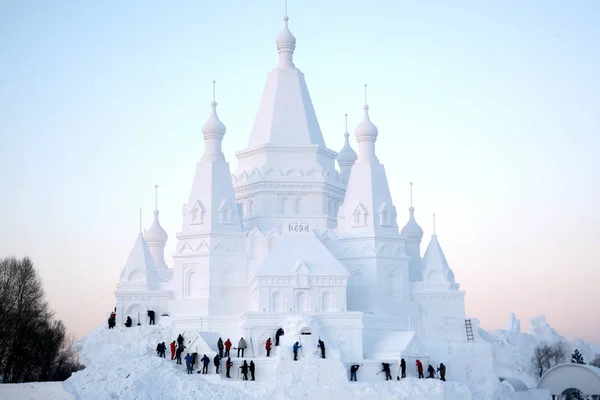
(212,205)
(157,237)
(413,234)
(140,272)
(436,270)
(347,156)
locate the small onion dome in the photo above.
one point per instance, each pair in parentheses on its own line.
(285,39)
(213,128)
(346,155)
(412,230)
(366,130)
(155,234)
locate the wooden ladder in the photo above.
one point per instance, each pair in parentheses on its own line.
(469,327)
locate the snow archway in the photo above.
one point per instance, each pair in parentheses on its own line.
(571,376)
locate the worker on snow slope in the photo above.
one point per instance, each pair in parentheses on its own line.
(353,370)
(295,348)
(173,350)
(322,346)
(194,359)
(228,365)
(220,347)
(241,346)
(217,362)
(180,340)
(442,370)
(151,317)
(178,353)
(386,369)
(205,361)
(277,335)
(227,347)
(244,368)
(268,347)
(128,322)
(252,369)
(188,363)
(403,368)
(430,372)
(420,369)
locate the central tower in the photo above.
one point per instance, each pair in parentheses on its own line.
(287,172)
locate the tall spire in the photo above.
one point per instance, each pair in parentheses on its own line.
(366,134)
(156,235)
(347,156)
(156,197)
(412,231)
(213,131)
(286,43)
(434,234)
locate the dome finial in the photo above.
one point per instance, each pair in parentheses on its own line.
(434,234)
(286,43)
(214,101)
(156,197)
(366,104)
(411,204)
(346,117)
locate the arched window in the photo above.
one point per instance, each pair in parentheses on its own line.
(301,305)
(284,206)
(193,285)
(298,206)
(276,302)
(357,217)
(250,208)
(326,302)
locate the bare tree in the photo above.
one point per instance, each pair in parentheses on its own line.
(546,356)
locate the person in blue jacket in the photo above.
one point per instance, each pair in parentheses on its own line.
(296,347)
(188,363)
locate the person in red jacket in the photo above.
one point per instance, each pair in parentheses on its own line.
(173,350)
(268,347)
(420,369)
(227,347)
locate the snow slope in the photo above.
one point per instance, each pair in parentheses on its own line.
(34,390)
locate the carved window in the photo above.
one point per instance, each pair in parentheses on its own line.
(298,206)
(283,206)
(250,207)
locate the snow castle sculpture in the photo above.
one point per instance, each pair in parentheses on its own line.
(288,240)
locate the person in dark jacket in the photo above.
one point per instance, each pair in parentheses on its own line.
(353,370)
(252,368)
(178,353)
(268,347)
(403,368)
(442,370)
(173,349)
(244,368)
(228,365)
(205,361)
(295,348)
(279,333)
(430,372)
(220,347)
(386,369)
(420,369)
(180,340)
(128,322)
(322,346)
(158,350)
(151,317)
(194,359)
(227,347)
(217,362)
(188,363)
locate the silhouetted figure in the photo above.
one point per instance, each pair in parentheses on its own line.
(252,368)
(128,322)
(403,368)
(279,333)
(151,317)
(322,346)
(217,362)
(228,365)
(244,368)
(220,347)
(386,369)
(205,361)
(442,370)
(430,372)
(194,359)
(353,370)
(180,340)
(295,348)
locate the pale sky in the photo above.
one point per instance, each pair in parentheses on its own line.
(490,108)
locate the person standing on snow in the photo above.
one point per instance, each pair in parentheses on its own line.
(420,369)
(178,353)
(279,333)
(268,347)
(244,368)
(180,340)
(430,372)
(442,370)
(252,368)
(173,350)
(220,347)
(227,347)
(205,361)
(151,317)
(217,362)
(228,365)
(241,346)
(386,369)
(295,348)
(322,346)
(194,359)
(353,370)
(188,363)
(128,322)
(403,368)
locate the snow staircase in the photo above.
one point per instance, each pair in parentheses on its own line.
(469,328)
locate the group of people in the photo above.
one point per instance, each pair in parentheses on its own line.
(402,371)
(128,322)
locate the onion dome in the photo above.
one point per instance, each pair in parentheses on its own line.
(285,39)
(366,130)
(213,128)
(346,156)
(412,230)
(155,234)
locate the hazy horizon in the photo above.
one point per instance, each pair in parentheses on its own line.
(490,109)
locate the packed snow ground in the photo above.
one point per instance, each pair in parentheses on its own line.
(34,391)
(122,364)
